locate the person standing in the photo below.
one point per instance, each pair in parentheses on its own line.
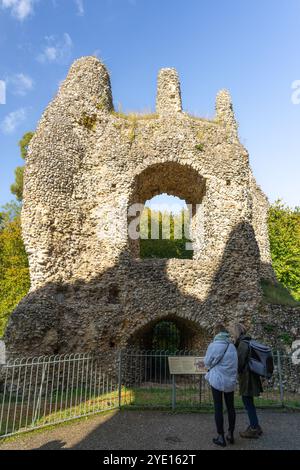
(222,364)
(249,383)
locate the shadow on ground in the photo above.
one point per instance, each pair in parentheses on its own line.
(154,430)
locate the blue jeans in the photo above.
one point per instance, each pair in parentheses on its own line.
(251,410)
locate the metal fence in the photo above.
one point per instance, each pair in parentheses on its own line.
(48,390)
(148,384)
(45,391)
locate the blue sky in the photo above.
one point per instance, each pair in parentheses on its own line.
(251,47)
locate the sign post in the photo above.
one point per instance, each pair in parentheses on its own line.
(185,365)
(173,392)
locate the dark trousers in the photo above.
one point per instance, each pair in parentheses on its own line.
(218,403)
(251,410)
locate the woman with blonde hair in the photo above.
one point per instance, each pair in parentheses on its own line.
(249,383)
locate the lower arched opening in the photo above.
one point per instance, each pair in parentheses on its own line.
(150,346)
(170,334)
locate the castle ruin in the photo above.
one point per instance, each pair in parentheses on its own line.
(92,293)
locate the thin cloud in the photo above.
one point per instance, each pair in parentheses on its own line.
(12,121)
(20,9)
(80,7)
(20,83)
(56,50)
(2,92)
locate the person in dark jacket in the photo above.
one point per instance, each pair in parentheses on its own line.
(249,383)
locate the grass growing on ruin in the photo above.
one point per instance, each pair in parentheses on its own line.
(135,116)
(89,122)
(277,294)
(199,147)
(202,119)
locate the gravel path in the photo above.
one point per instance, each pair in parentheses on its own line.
(154,430)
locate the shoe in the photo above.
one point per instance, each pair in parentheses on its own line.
(220,441)
(250,433)
(230,437)
(259,430)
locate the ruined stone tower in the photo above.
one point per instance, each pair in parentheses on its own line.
(91,292)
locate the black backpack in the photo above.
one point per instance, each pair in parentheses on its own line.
(260,359)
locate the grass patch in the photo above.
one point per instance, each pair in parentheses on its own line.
(51,427)
(286,338)
(131,122)
(18,416)
(64,408)
(89,122)
(269,328)
(135,116)
(277,294)
(199,147)
(202,119)
(191,398)
(164,249)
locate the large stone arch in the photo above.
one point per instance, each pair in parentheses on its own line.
(171,177)
(175,179)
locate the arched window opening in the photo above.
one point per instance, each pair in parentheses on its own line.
(166,180)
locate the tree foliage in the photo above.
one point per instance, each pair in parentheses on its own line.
(24,144)
(14,272)
(17,187)
(163,235)
(284,233)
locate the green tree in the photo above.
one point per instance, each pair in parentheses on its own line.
(9,211)
(14,272)
(284,233)
(166,246)
(17,187)
(24,144)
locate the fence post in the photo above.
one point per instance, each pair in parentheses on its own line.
(35,416)
(173,392)
(2,353)
(120,379)
(280,378)
(200,389)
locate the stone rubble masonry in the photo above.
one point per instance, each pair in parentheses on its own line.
(168,99)
(279,325)
(90,292)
